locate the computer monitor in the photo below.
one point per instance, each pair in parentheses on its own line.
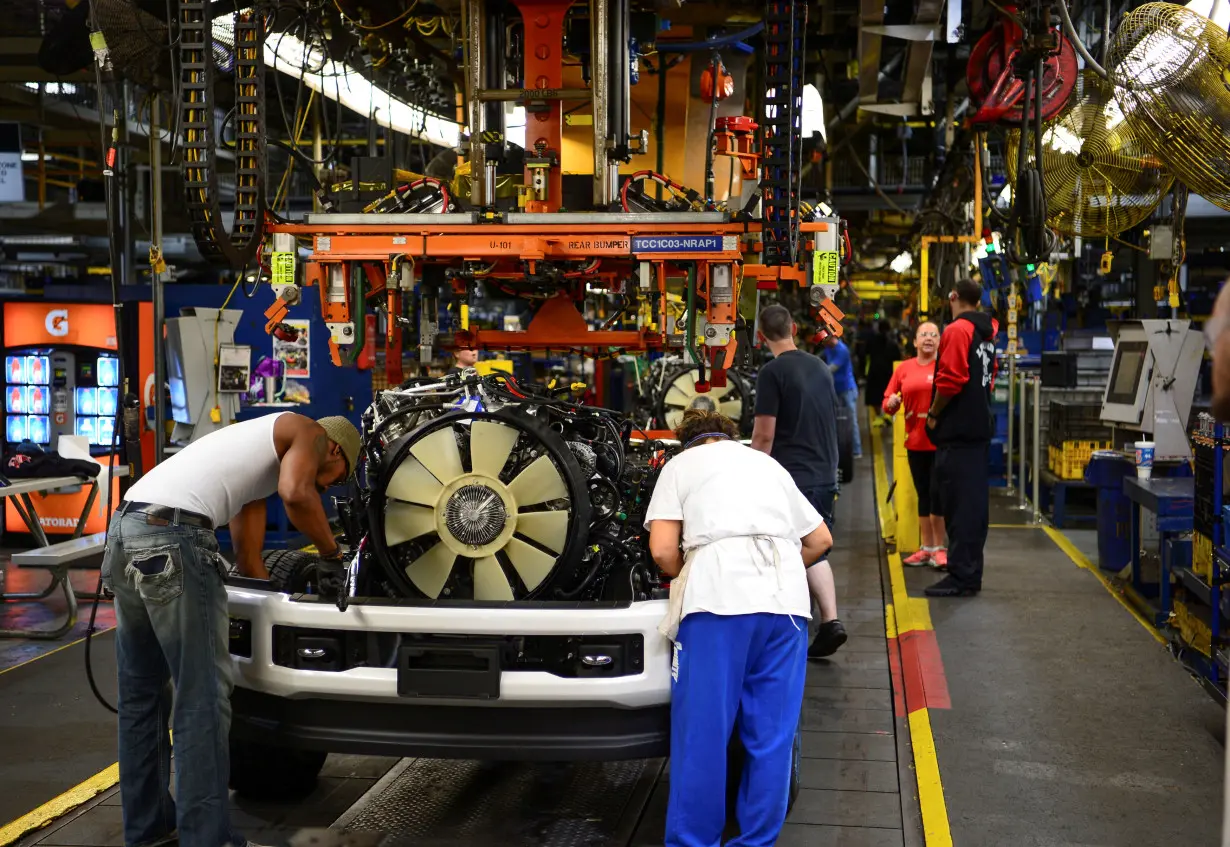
(1130,372)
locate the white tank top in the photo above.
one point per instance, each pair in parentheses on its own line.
(217,475)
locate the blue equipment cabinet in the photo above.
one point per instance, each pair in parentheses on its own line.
(333,390)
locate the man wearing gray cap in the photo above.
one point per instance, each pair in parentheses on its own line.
(162,563)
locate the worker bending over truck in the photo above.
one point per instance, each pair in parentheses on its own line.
(162,563)
(739,607)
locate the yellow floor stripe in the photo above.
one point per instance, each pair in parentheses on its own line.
(65,803)
(936,830)
(1082,561)
(908,614)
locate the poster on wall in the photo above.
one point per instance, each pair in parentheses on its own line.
(296,355)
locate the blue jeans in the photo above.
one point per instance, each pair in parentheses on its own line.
(744,669)
(171,626)
(851,400)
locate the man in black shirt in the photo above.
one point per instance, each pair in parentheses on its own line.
(796,424)
(960,425)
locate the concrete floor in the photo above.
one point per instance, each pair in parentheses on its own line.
(855,791)
(1070,724)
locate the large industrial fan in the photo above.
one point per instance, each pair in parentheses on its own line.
(1168,63)
(484,506)
(679,393)
(1099,175)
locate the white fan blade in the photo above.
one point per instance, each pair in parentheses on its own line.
(413,483)
(430,571)
(732,409)
(531,563)
(681,394)
(404,521)
(673,418)
(550,529)
(490,444)
(720,393)
(489,580)
(538,483)
(439,454)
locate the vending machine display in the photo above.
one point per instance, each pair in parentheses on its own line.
(62,378)
(27,399)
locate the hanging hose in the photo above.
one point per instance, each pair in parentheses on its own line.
(716,70)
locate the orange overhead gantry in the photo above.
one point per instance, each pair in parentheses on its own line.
(561,255)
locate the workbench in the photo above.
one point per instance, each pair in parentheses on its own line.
(1172,500)
(56,559)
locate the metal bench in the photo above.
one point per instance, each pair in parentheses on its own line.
(56,559)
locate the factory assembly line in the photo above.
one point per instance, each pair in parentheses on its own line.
(494,255)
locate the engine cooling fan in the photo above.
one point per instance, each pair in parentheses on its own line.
(679,394)
(479,506)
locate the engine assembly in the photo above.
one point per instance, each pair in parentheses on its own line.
(479,490)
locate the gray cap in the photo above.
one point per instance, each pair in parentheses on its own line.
(345,435)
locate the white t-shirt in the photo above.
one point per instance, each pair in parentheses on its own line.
(218,474)
(736,505)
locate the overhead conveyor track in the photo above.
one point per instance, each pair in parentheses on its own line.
(201,137)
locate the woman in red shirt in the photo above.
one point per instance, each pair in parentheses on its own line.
(910,388)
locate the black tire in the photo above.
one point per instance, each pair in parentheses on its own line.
(292,571)
(273,774)
(736,757)
(845,445)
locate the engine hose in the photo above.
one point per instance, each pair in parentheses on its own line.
(585,583)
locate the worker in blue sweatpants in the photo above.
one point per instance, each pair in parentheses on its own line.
(732,530)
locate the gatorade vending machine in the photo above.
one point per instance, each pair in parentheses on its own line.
(62,377)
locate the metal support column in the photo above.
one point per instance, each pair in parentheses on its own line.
(1037,454)
(156,283)
(476,21)
(1011,422)
(1024,446)
(600,83)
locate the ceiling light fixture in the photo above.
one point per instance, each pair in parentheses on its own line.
(342,83)
(813,113)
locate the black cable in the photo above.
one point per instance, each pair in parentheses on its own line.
(713,108)
(113,249)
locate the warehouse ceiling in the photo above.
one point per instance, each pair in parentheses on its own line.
(892,76)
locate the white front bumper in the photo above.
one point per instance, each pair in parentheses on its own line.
(517,688)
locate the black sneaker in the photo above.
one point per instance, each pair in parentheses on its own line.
(949,587)
(831,636)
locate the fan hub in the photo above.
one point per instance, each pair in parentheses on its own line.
(475,515)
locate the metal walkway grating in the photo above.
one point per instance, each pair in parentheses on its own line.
(431,801)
